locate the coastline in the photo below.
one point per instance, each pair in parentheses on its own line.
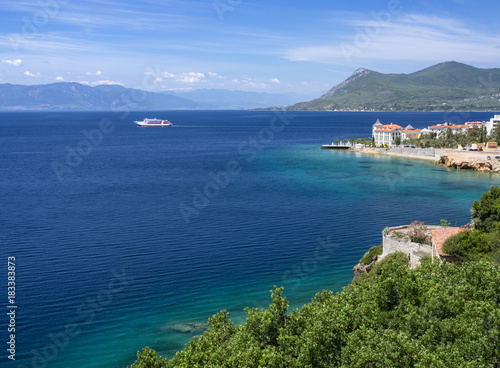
(428,155)
(484,161)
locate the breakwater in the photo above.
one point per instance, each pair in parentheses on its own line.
(483,162)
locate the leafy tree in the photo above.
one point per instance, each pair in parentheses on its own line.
(438,315)
(397,140)
(372,252)
(486,213)
(148,359)
(468,245)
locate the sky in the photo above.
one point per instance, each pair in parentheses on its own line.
(272,46)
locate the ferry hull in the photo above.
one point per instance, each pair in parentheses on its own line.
(153,123)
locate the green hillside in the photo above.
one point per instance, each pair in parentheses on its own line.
(443,87)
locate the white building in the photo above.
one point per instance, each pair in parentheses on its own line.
(385,134)
(442,128)
(410,133)
(438,129)
(492,125)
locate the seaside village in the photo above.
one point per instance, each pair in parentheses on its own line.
(391,135)
(418,240)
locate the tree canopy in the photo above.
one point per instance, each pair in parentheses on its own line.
(486,213)
(438,315)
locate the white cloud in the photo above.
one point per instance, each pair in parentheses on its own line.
(275,80)
(180,89)
(60,79)
(105,82)
(30,74)
(16,62)
(100,83)
(409,37)
(215,75)
(98,73)
(251,84)
(190,77)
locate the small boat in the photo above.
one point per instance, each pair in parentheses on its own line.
(153,122)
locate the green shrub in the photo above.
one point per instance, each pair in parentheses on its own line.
(374,251)
(438,315)
(468,245)
(486,213)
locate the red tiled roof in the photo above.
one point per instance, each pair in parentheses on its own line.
(492,144)
(441,235)
(387,128)
(412,130)
(448,126)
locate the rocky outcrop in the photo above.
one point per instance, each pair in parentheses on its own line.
(362,268)
(190,328)
(470,162)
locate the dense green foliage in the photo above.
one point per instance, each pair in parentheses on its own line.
(470,245)
(486,213)
(450,139)
(443,87)
(484,241)
(438,315)
(372,252)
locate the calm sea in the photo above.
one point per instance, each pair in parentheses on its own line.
(122,235)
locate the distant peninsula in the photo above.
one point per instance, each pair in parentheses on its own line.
(449,86)
(77,96)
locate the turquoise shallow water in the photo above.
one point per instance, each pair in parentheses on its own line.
(108,251)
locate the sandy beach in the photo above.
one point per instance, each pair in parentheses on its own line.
(416,154)
(471,160)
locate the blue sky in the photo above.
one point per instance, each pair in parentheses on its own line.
(268,46)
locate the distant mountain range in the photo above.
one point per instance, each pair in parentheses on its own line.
(226,99)
(76,96)
(443,87)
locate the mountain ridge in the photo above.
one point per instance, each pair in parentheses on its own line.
(77,96)
(441,87)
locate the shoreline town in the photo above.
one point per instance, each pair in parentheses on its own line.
(394,140)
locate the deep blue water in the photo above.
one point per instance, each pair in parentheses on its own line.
(121,235)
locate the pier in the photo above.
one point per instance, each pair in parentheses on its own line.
(337,146)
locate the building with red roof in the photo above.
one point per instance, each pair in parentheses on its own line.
(386,134)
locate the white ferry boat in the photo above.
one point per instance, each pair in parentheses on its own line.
(153,122)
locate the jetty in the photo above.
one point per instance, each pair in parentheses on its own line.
(337,146)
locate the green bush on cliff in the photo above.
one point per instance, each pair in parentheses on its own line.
(438,315)
(468,245)
(372,252)
(486,213)
(484,241)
